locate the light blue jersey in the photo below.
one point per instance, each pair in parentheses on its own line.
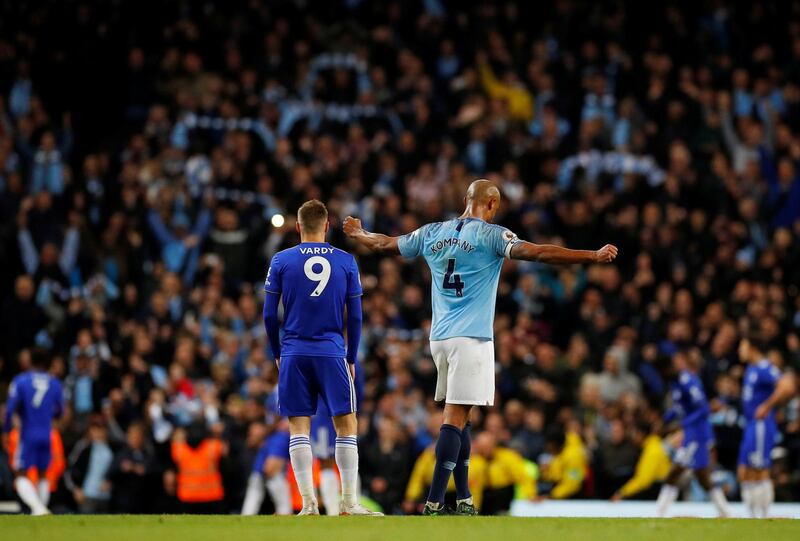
(465,257)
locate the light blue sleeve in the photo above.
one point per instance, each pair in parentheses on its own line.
(500,240)
(411,245)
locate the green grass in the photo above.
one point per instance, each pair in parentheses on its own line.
(232,528)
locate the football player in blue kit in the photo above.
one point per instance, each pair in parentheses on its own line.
(764,387)
(36,397)
(690,407)
(465,256)
(317,284)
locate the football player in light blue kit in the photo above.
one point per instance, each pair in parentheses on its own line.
(317,284)
(690,407)
(763,388)
(465,256)
(37,398)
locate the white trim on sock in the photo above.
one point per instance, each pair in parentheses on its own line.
(302,463)
(347,462)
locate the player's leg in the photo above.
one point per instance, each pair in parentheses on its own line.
(339,394)
(254,496)
(43,458)
(669,490)
(24,459)
(297,395)
(323,442)
(764,489)
(716,493)
(743,473)
(278,485)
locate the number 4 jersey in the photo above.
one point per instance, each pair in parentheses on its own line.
(465,257)
(315,281)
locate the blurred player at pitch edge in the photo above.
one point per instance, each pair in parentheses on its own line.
(763,388)
(690,407)
(37,398)
(316,283)
(465,256)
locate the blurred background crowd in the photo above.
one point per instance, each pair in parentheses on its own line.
(152,155)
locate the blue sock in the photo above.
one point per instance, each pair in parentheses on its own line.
(461,471)
(447,449)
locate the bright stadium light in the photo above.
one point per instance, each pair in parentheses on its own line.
(277,220)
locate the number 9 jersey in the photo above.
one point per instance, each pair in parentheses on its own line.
(314,280)
(465,257)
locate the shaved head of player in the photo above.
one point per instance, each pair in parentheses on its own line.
(465,256)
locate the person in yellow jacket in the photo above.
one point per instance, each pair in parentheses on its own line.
(651,469)
(511,90)
(502,475)
(567,470)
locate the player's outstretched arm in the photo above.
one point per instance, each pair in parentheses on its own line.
(374,242)
(556,255)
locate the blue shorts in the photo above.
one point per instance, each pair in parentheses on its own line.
(32,454)
(757,443)
(323,435)
(276,445)
(303,379)
(695,450)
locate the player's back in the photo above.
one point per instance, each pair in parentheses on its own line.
(37,398)
(690,399)
(465,256)
(760,380)
(314,280)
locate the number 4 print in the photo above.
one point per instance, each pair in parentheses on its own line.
(452,280)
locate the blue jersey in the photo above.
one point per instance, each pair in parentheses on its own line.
(759,382)
(689,403)
(465,257)
(37,398)
(314,280)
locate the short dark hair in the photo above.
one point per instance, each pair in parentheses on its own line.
(312,215)
(40,358)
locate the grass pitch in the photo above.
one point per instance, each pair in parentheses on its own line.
(233,528)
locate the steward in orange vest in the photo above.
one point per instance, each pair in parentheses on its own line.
(199,481)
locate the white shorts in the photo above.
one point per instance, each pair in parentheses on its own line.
(465,368)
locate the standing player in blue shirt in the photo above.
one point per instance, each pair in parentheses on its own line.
(317,282)
(690,407)
(36,397)
(763,388)
(465,256)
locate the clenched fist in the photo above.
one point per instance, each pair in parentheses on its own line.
(606,254)
(351,226)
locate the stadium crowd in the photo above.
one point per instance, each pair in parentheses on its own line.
(152,158)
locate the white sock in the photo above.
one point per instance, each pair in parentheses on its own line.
(254,495)
(329,490)
(278,488)
(27,493)
(666,497)
(720,501)
(347,461)
(765,495)
(302,464)
(748,494)
(43,488)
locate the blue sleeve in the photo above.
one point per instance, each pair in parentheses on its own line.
(271,324)
(159,229)
(273,283)
(354,280)
(501,240)
(30,257)
(770,374)
(697,415)
(58,406)
(411,245)
(69,251)
(354,320)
